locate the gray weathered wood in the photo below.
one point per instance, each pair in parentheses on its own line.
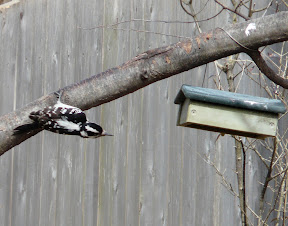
(225,119)
(151,172)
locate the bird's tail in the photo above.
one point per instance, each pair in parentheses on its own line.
(26,128)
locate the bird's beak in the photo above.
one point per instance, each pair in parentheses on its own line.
(104,133)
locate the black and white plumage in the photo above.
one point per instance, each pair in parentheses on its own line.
(63,119)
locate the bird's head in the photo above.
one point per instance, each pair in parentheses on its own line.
(92,130)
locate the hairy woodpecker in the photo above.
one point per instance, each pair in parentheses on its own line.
(63,119)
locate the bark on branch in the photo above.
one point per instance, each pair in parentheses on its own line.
(266,70)
(150,67)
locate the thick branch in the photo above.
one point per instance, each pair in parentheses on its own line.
(266,70)
(152,66)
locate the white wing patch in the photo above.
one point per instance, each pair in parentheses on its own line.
(61,105)
(68,125)
(250,27)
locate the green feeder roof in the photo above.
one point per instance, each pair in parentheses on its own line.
(229,99)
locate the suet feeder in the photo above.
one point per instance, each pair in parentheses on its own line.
(228,113)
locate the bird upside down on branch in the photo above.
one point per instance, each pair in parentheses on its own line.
(63,119)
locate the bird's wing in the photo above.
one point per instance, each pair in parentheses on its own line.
(72,114)
(74,117)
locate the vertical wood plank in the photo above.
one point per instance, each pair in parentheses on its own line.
(112,157)
(151,172)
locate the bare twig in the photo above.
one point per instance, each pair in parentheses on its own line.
(253,10)
(285,201)
(261,201)
(262,65)
(285,3)
(232,10)
(225,183)
(193,14)
(278,200)
(250,9)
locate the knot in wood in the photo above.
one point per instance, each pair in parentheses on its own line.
(144,75)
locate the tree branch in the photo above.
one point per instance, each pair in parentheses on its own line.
(232,10)
(267,179)
(150,67)
(240,171)
(266,70)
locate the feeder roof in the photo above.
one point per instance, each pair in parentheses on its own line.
(229,99)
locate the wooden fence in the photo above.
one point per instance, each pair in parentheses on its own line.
(151,172)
